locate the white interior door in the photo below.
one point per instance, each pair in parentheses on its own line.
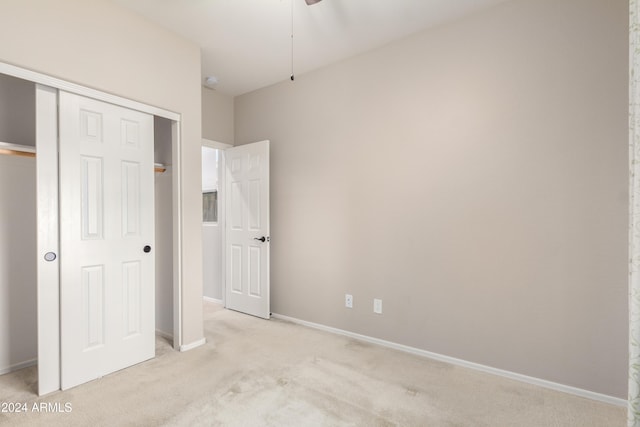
(106,236)
(247,229)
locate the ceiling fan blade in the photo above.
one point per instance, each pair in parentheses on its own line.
(310,2)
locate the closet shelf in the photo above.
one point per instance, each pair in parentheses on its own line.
(27,151)
(17,150)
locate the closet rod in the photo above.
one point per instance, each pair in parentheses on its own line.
(17,150)
(27,151)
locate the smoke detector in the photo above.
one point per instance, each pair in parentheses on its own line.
(211,81)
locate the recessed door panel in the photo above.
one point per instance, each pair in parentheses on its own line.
(236,269)
(254,278)
(236,203)
(93,306)
(132,287)
(130,134)
(254,205)
(254,163)
(236,165)
(92,181)
(90,126)
(130,198)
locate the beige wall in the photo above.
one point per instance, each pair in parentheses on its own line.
(217,116)
(101,45)
(474,178)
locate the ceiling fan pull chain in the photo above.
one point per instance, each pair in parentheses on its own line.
(309,3)
(292,78)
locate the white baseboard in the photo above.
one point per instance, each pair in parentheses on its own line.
(459,362)
(209,299)
(18,366)
(164,334)
(193,345)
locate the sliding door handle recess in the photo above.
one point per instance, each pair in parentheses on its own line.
(262,239)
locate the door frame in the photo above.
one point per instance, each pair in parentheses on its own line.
(222,216)
(48,289)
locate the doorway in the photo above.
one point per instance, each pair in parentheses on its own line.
(213,221)
(212,286)
(240,175)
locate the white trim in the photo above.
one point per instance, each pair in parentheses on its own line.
(176,201)
(193,345)
(216,300)
(222,221)
(459,362)
(56,83)
(164,334)
(215,144)
(19,366)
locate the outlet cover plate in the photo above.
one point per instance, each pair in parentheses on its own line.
(377,306)
(348,301)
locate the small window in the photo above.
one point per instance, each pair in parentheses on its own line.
(210,206)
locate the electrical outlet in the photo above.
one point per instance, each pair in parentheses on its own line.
(377,306)
(348,301)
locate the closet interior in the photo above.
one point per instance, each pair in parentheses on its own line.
(162,130)
(18,329)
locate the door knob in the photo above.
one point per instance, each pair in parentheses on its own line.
(262,239)
(50,256)
(147,249)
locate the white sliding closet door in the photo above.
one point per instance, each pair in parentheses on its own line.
(48,293)
(106,237)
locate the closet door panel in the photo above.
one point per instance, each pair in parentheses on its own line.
(107,237)
(48,253)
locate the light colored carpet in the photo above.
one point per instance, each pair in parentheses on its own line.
(254,372)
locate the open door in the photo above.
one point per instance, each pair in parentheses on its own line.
(107,267)
(247,229)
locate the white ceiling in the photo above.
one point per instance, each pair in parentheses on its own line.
(246,44)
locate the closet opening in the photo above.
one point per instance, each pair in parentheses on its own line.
(19,254)
(18,227)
